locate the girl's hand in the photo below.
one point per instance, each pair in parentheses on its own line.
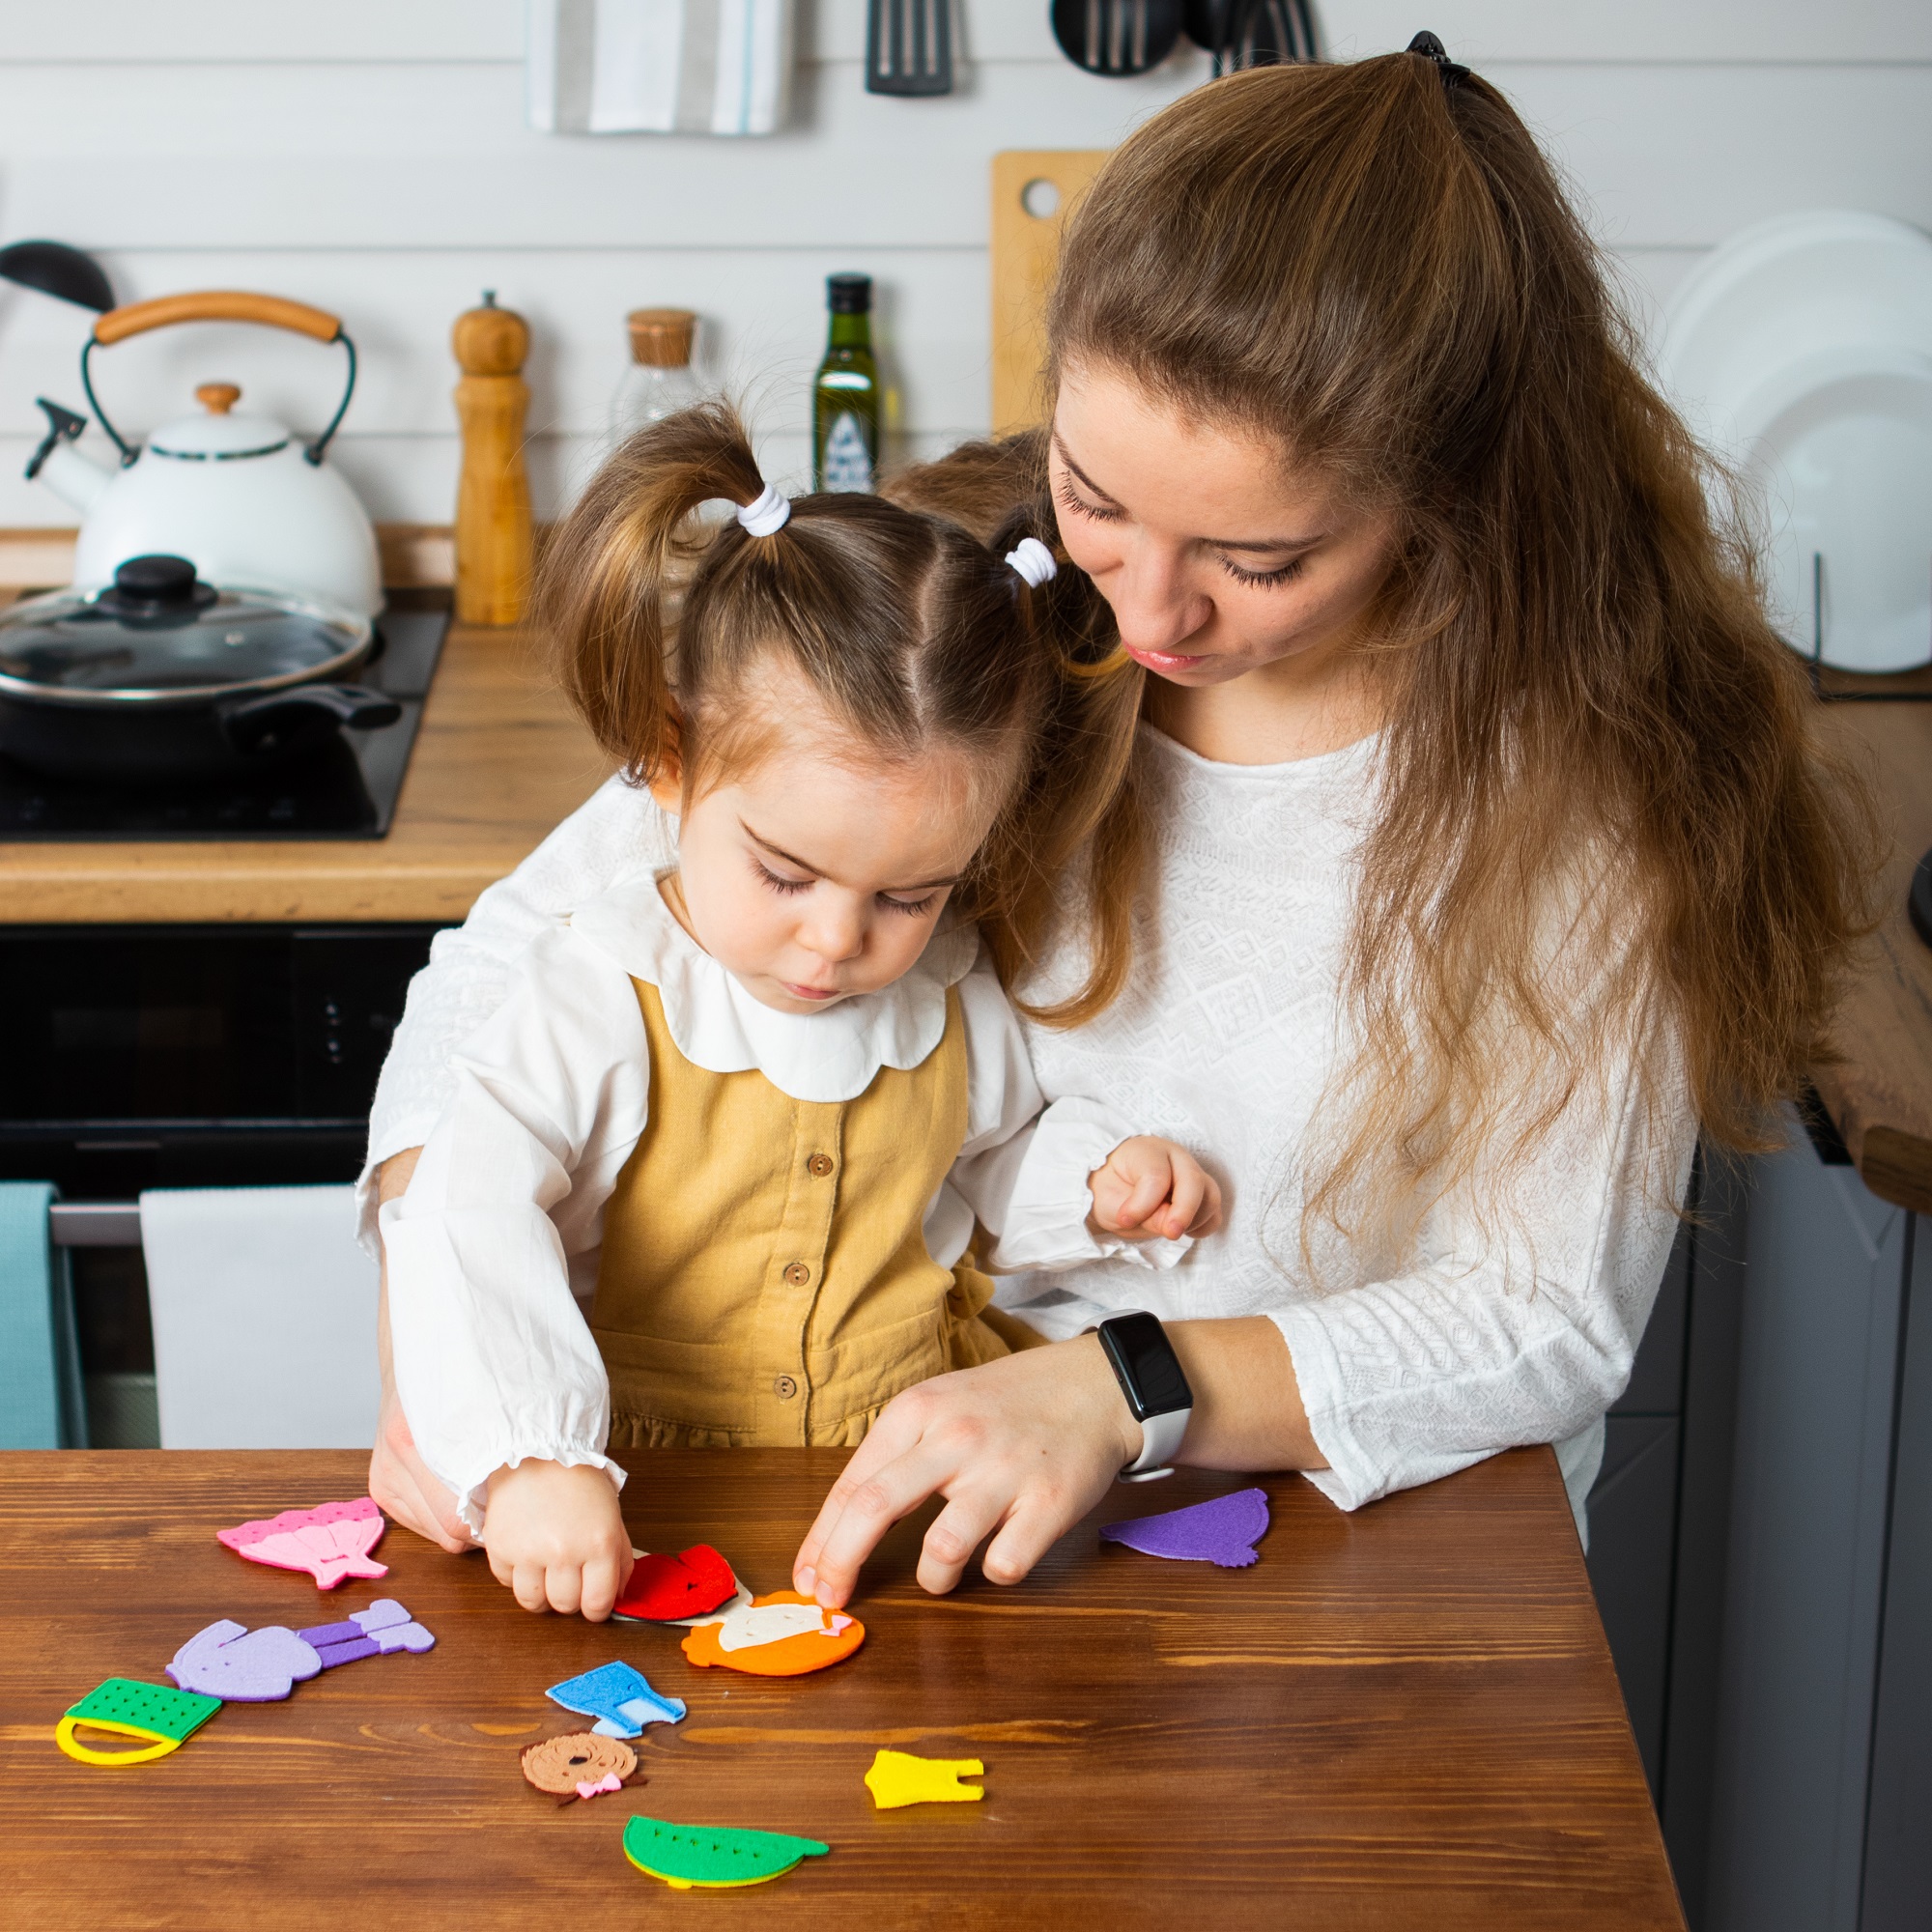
(403,1487)
(555,1536)
(1022,1447)
(1151,1189)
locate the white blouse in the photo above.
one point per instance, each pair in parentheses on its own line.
(494,1245)
(1225,1039)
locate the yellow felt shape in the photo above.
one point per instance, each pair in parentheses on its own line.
(897,1777)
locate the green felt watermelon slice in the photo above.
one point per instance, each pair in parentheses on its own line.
(712,1855)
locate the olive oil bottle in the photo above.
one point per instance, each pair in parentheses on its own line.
(845,396)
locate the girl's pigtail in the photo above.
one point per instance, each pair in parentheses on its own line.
(613,570)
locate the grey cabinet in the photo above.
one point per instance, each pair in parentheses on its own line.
(1762,1550)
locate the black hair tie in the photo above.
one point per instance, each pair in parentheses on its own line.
(1431,48)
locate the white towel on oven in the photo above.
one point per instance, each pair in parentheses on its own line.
(659,67)
(264,1310)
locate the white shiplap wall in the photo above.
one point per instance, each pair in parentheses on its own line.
(371,157)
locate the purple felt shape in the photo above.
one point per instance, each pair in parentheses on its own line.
(242,1665)
(385,1626)
(356,1648)
(1224,1531)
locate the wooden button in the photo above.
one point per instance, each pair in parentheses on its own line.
(785,1388)
(819,1164)
(798,1274)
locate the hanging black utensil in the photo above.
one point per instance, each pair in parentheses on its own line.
(909,46)
(56,270)
(1252,32)
(1115,37)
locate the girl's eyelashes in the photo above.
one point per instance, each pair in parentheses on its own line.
(786,889)
(1264,579)
(780,884)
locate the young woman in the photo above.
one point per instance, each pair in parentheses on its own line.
(1472,857)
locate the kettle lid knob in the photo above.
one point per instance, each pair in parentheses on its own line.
(218,398)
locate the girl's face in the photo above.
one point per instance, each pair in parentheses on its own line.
(1216,562)
(821,871)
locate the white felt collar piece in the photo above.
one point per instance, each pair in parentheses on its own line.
(826,1056)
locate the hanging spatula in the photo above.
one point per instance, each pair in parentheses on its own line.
(1115,37)
(909,46)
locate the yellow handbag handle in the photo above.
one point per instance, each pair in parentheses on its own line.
(158,1745)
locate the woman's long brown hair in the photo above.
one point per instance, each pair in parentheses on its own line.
(1597,780)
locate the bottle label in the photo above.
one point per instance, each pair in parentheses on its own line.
(848,463)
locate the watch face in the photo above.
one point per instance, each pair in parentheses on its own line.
(1147,1364)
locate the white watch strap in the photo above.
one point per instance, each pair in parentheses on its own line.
(1160,1442)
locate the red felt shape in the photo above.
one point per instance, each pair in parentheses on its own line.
(663,1588)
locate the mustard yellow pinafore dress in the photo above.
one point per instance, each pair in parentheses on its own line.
(764,1280)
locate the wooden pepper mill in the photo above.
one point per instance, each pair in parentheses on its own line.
(492,497)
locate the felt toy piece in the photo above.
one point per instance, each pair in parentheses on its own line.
(711,1855)
(618,1698)
(1224,1531)
(166,1718)
(228,1661)
(384,1626)
(329,1542)
(666,1588)
(781,1636)
(579,1764)
(897,1777)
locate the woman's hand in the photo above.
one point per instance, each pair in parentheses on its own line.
(555,1537)
(1022,1448)
(1025,1446)
(402,1486)
(400,1481)
(1151,1189)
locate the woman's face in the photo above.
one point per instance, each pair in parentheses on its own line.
(1215,558)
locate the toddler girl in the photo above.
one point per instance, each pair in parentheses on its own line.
(753,1105)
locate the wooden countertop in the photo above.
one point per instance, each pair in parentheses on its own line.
(499,759)
(1402,1718)
(1879,1092)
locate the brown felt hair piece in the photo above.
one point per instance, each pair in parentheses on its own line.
(559,1765)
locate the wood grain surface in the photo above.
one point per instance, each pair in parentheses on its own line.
(1024,249)
(498,761)
(1402,1718)
(1880,1091)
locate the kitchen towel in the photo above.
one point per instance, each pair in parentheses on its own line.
(264,1310)
(41,1406)
(657,67)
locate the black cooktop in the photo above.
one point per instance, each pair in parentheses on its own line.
(347,790)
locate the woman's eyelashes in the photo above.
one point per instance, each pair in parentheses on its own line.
(1080,507)
(788,888)
(1264,580)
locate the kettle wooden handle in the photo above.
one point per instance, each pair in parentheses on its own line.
(216,305)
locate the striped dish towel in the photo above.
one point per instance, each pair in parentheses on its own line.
(40,1404)
(659,67)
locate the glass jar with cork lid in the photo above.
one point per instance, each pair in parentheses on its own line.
(660,380)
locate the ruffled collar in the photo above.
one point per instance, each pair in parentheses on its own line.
(717,1025)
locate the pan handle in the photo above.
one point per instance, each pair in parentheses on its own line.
(252,724)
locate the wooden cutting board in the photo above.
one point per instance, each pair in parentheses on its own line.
(1026,245)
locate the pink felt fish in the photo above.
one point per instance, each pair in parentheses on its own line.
(329,1542)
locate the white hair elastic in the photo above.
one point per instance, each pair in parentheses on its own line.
(1033,561)
(768,515)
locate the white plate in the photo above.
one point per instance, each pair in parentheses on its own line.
(1801,354)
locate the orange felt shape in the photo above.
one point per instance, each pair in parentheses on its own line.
(787,1656)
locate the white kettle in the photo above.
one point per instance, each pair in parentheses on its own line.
(238,496)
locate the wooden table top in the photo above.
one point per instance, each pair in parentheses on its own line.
(1402,1718)
(498,761)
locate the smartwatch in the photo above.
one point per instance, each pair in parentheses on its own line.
(1149,1375)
